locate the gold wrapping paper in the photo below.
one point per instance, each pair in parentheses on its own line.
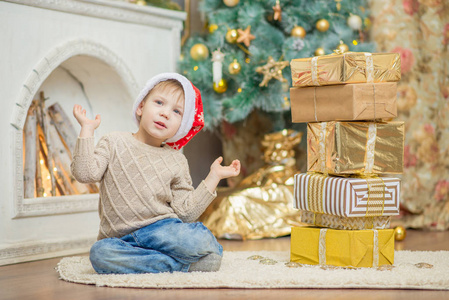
(348,67)
(342,248)
(347,196)
(261,205)
(345,148)
(363,101)
(347,223)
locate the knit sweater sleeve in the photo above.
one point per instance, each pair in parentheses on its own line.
(89,162)
(189,203)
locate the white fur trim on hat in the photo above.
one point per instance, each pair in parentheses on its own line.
(189,102)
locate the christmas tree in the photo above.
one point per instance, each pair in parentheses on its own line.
(242,64)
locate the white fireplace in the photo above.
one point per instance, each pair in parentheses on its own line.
(96,53)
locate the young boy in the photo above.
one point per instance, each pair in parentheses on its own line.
(147,202)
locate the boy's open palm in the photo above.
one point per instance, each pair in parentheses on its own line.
(80,116)
(225,171)
(219,172)
(88,126)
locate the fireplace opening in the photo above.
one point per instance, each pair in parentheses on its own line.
(50,130)
(44,130)
(48,141)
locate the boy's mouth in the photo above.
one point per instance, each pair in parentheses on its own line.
(160,124)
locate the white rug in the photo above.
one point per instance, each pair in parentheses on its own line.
(237,271)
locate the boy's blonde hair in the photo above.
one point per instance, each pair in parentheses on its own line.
(177,91)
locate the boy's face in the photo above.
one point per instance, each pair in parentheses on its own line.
(160,116)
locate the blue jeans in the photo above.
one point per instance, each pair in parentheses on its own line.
(167,245)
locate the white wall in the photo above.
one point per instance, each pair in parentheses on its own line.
(129,45)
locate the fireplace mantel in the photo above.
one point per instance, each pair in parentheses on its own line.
(110,48)
(113,10)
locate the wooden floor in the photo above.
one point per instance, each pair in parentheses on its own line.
(39,280)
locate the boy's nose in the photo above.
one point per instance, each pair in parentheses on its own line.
(164,114)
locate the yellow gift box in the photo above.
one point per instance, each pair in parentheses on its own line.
(348,67)
(342,248)
(345,148)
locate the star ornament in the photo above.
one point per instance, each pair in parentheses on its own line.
(245,36)
(218,56)
(273,69)
(277,11)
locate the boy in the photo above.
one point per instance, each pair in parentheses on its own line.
(147,201)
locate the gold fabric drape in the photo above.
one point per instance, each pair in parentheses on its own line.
(419,31)
(261,205)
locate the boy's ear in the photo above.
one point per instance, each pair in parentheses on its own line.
(139,108)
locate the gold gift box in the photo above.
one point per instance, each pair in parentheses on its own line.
(349,67)
(347,223)
(345,148)
(364,101)
(342,248)
(347,196)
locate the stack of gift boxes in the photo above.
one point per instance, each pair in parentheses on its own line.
(349,194)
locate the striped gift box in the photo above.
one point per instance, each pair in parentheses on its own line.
(347,196)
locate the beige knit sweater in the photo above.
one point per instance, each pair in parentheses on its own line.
(139,184)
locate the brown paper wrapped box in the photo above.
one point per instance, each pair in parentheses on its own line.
(363,101)
(349,67)
(346,148)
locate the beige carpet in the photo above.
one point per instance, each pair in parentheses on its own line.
(237,271)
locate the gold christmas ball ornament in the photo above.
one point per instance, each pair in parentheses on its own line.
(231,36)
(212,28)
(355,22)
(221,87)
(342,47)
(319,51)
(199,52)
(322,25)
(399,233)
(298,31)
(231,3)
(234,67)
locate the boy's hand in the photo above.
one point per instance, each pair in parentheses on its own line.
(219,172)
(225,171)
(88,126)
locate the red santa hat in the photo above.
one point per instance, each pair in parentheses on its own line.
(193,117)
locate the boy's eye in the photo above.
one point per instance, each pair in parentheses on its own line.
(177,111)
(158,102)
